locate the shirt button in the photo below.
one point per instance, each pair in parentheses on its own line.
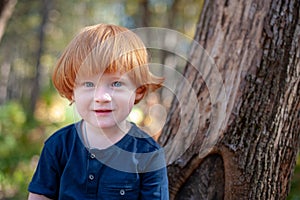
(92,156)
(91,177)
(122,192)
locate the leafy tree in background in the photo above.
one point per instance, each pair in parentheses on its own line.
(38,32)
(33,38)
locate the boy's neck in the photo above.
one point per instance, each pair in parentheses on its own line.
(103,138)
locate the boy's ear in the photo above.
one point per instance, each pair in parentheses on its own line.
(139,94)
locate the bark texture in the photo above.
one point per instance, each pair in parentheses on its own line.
(6,10)
(252,153)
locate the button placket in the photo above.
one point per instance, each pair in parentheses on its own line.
(122,192)
(91,177)
(93,167)
(92,156)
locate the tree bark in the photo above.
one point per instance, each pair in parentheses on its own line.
(36,86)
(6,10)
(251,152)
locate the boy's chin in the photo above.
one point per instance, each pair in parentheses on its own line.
(112,125)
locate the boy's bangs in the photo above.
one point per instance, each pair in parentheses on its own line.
(113,57)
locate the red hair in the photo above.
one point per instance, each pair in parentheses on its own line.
(101,49)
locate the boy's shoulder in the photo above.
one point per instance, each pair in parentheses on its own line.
(66,133)
(143,138)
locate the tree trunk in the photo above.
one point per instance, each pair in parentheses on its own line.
(249,150)
(6,10)
(36,86)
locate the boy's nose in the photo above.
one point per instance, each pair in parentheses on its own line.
(102,95)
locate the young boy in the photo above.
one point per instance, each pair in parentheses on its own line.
(104,72)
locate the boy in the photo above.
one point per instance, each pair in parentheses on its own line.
(104,72)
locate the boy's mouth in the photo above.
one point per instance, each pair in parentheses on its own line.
(103,111)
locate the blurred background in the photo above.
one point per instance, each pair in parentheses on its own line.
(35,35)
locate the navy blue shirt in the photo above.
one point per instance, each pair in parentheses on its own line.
(133,168)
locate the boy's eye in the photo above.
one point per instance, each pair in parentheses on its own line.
(117,84)
(89,84)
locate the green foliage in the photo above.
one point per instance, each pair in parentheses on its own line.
(12,118)
(21,140)
(15,150)
(295,188)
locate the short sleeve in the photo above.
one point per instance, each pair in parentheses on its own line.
(45,180)
(154,185)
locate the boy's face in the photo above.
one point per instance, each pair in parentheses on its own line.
(104,101)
